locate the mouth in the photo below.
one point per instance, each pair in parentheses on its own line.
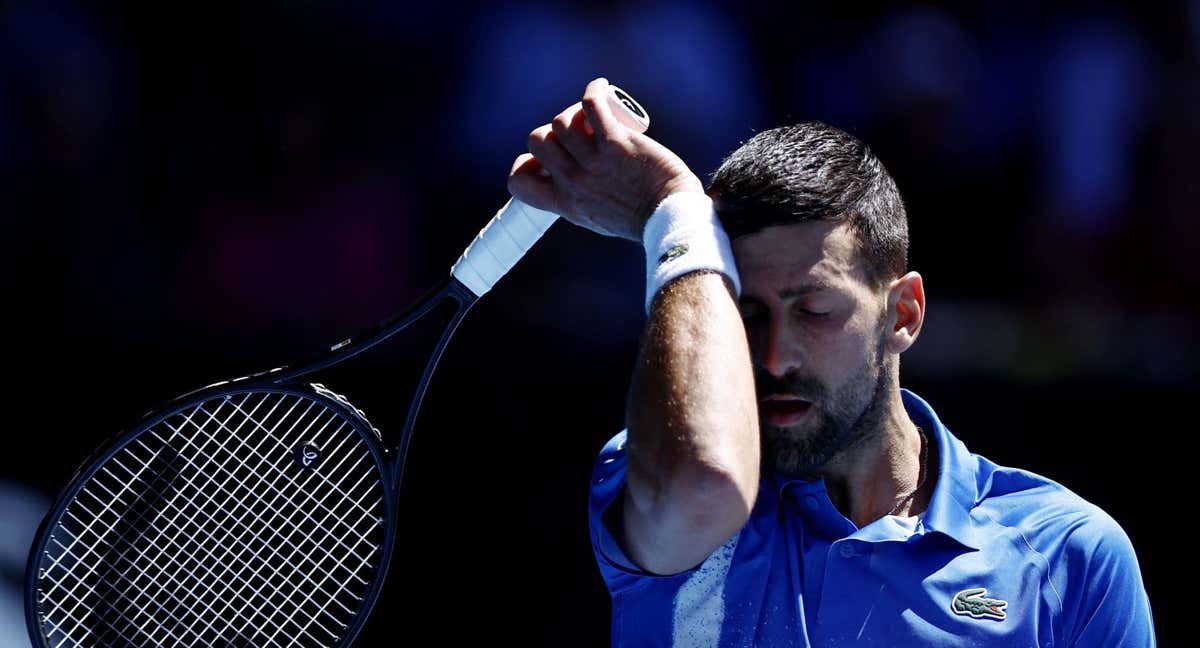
(782,410)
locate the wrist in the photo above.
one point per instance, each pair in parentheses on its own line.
(687,183)
(684,235)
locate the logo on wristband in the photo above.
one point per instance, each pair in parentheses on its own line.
(673,253)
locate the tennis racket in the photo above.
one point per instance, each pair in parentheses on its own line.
(260,511)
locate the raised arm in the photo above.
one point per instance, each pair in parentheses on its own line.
(693,431)
(693,444)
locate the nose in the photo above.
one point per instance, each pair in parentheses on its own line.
(777,353)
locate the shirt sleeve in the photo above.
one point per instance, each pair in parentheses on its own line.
(1109,597)
(607,486)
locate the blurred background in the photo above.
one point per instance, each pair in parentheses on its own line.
(193,192)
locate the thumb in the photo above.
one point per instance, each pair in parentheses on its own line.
(528,183)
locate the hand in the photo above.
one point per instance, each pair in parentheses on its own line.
(602,175)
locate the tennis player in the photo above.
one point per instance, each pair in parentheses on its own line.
(775,485)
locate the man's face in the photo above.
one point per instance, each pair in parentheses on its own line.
(815,329)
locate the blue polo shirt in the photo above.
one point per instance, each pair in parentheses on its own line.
(1001,557)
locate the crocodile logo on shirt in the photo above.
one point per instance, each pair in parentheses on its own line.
(973,603)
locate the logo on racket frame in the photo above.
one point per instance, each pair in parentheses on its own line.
(307,455)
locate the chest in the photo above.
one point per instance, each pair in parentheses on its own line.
(917,593)
(788,588)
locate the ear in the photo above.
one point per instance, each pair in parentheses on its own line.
(906,312)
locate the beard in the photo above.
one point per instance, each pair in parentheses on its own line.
(837,421)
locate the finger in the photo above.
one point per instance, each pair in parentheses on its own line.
(526,184)
(572,130)
(599,113)
(544,146)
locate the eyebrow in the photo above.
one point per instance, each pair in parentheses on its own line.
(806,288)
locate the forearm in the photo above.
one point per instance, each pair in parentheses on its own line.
(693,425)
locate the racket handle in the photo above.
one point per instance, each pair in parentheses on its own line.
(517,226)
(513,230)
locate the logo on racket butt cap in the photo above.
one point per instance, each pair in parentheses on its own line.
(633,106)
(307,455)
(628,111)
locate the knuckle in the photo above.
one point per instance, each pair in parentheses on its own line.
(538,134)
(579,119)
(561,124)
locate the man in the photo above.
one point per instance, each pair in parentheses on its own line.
(775,486)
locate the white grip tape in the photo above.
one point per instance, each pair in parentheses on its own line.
(517,226)
(500,245)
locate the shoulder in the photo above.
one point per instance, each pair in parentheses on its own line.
(1090,563)
(1045,511)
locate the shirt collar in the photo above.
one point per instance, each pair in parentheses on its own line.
(954,495)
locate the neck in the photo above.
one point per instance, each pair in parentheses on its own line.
(867,480)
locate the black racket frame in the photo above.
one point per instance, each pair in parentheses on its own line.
(389,459)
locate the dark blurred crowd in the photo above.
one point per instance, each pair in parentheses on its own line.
(205,166)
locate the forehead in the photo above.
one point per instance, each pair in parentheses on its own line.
(781,257)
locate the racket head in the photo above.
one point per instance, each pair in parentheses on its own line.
(226,524)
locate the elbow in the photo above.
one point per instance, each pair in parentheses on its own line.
(697,484)
(687,493)
(716,499)
(701,510)
(700,460)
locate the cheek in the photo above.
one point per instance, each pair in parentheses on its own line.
(867,367)
(844,360)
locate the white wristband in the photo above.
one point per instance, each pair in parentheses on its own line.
(684,235)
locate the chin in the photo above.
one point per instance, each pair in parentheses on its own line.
(788,453)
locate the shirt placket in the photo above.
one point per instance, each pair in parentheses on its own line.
(847,588)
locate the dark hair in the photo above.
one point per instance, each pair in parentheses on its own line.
(813,171)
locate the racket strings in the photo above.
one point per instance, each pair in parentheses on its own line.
(223,542)
(142,522)
(204,530)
